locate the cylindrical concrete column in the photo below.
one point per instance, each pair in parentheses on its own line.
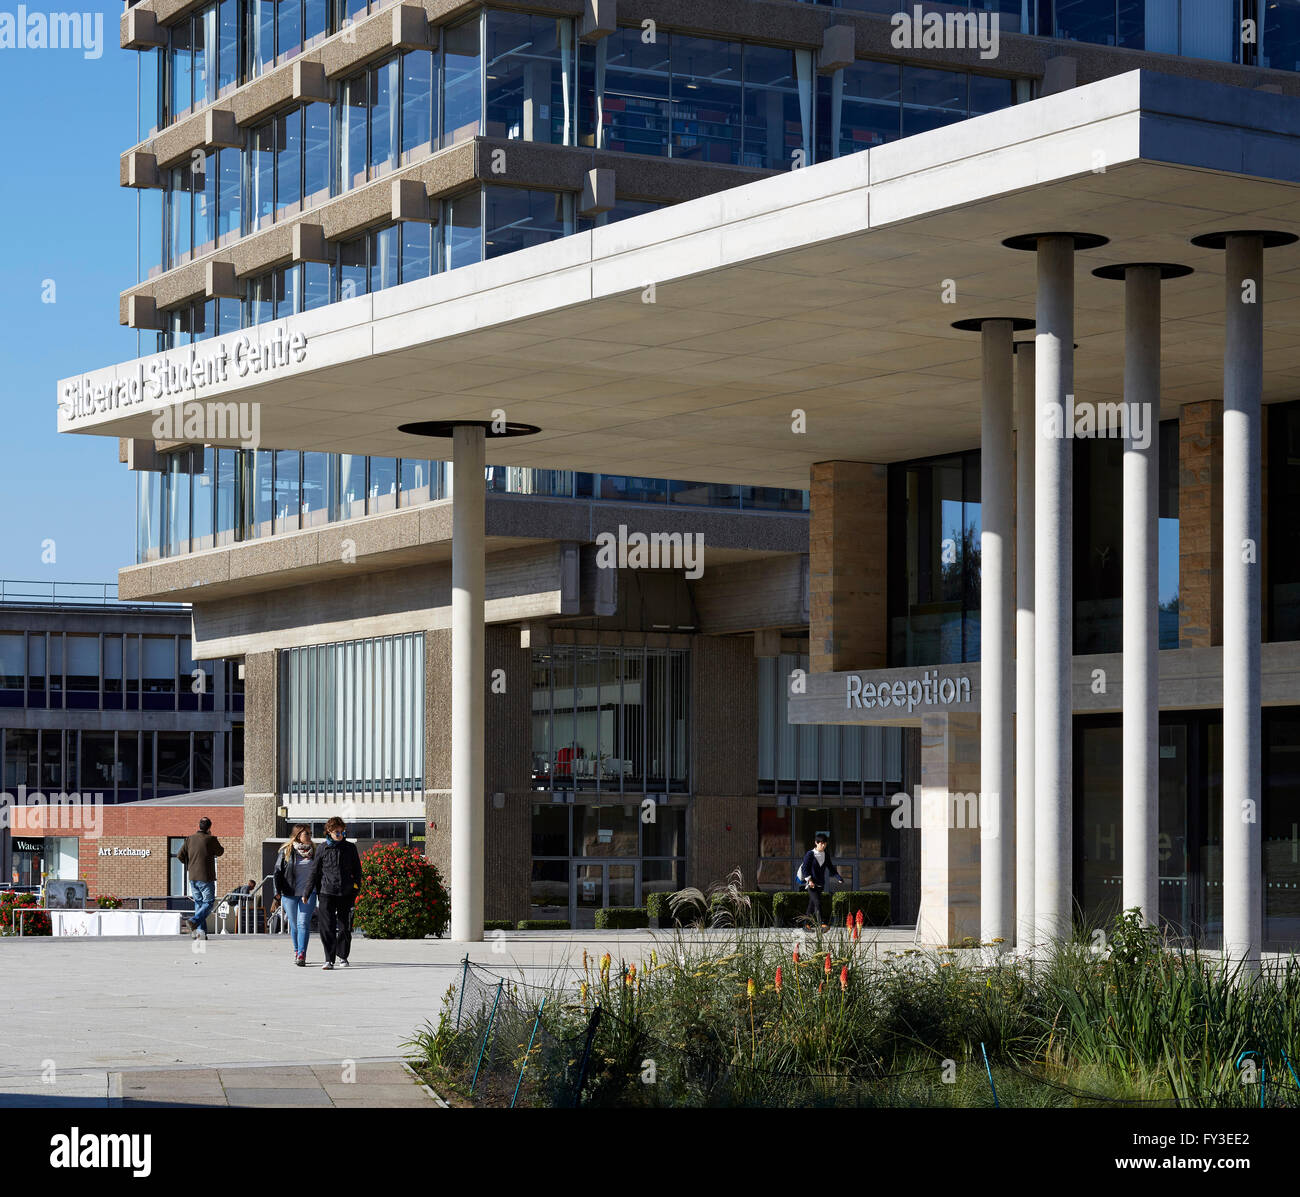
(1141,560)
(1053,587)
(997,822)
(1025,444)
(467,682)
(1243,380)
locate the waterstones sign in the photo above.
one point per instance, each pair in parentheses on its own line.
(198,367)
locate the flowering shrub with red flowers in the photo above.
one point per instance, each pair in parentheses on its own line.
(109,902)
(402,895)
(33,924)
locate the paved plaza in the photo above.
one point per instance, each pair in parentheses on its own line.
(83,1011)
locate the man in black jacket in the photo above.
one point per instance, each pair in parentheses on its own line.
(336,877)
(817,864)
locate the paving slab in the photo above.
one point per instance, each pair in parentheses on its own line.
(294,1098)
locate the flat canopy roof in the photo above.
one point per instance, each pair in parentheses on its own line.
(822,290)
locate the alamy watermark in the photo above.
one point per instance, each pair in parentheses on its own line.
(54,812)
(921,30)
(210,422)
(651,550)
(23,30)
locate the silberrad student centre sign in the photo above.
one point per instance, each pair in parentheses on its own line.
(170,375)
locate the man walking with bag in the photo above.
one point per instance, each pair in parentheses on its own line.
(199,856)
(336,877)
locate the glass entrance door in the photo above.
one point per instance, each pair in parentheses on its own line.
(599,885)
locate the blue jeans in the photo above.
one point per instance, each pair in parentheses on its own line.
(204,894)
(298,912)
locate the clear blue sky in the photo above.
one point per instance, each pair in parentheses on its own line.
(64,122)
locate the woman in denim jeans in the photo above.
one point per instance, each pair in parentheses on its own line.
(292,879)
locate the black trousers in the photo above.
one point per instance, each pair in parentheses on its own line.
(335,920)
(814,911)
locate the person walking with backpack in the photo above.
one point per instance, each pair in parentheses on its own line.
(336,877)
(199,856)
(293,876)
(817,865)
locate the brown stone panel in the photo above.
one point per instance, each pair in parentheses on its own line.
(724,715)
(508,858)
(847,545)
(950,846)
(1200,524)
(437,749)
(721,835)
(261,751)
(507,715)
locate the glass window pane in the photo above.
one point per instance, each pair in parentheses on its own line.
(229,172)
(315,22)
(287,465)
(226,481)
(384,258)
(461,83)
(778,107)
(417,250)
(182,64)
(351,486)
(352,268)
(263,495)
(288,22)
(635,112)
(530,80)
(416,481)
(261,176)
(706,94)
(204,33)
(417,104)
(315,154)
(315,489)
(314,286)
(352,133)
(384,115)
(205,206)
(463,230)
(869,110)
(517,219)
(932,99)
(228,48)
(288,164)
(383,484)
(261,28)
(149,66)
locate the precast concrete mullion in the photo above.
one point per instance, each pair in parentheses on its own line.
(1026,444)
(1053,587)
(1242,394)
(467,634)
(1141,698)
(997,838)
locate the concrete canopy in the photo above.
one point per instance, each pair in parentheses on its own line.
(822,290)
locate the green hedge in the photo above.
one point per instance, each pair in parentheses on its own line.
(759,914)
(621,918)
(658,910)
(498,925)
(873,903)
(787,905)
(543,925)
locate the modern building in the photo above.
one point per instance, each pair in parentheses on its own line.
(776,248)
(103,699)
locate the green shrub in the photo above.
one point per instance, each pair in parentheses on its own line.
(787,905)
(543,925)
(658,910)
(621,918)
(757,914)
(402,895)
(498,925)
(873,903)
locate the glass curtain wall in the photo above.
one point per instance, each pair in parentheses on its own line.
(676,96)
(611,719)
(352,716)
(827,759)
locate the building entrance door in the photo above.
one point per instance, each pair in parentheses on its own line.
(599,885)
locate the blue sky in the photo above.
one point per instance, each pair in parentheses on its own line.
(64,122)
